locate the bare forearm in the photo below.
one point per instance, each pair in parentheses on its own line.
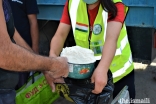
(59,38)
(16,58)
(34,31)
(110,45)
(34,34)
(56,46)
(108,54)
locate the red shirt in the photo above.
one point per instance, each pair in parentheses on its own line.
(92,14)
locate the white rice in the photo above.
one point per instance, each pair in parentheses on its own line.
(78,55)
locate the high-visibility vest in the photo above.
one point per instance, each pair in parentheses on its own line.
(122,63)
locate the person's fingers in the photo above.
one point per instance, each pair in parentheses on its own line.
(59,80)
(50,80)
(56,76)
(60,73)
(52,85)
(66,74)
(97,89)
(60,68)
(50,74)
(65,58)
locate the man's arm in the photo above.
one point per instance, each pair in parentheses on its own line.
(34,32)
(16,58)
(56,46)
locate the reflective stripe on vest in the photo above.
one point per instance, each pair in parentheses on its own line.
(122,63)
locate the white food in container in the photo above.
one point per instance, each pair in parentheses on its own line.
(78,55)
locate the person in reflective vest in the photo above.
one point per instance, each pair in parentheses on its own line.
(99,25)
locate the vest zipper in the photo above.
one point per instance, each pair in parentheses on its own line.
(89,27)
(89,42)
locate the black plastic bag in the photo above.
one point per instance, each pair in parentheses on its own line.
(80,91)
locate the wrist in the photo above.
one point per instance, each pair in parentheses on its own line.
(45,63)
(52,54)
(51,64)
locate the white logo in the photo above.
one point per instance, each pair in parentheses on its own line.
(18,1)
(97,29)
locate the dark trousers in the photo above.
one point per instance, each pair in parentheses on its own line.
(127,80)
(7,96)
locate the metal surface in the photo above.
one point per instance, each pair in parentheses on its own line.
(51,2)
(142,13)
(50,12)
(50,9)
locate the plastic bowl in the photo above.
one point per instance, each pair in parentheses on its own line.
(80,71)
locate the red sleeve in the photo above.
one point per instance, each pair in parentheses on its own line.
(120,13)
(65,15)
